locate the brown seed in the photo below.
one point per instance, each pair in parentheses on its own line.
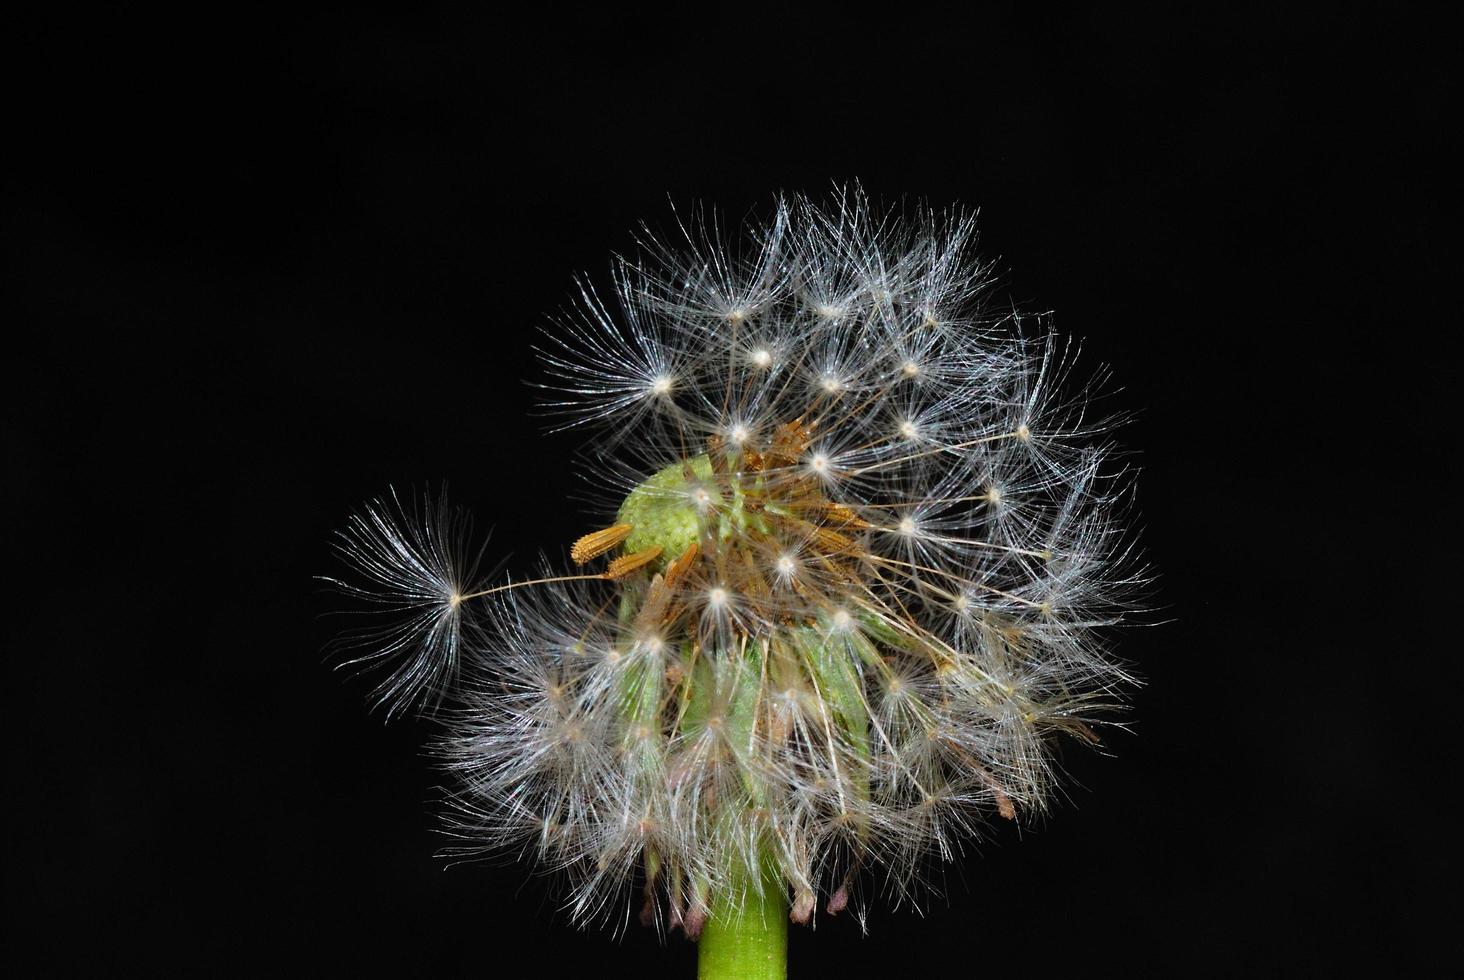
(596,543)
(625,564)
(682,565)
(841,515)
(831,542)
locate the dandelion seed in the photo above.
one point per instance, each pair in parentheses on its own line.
(410,566)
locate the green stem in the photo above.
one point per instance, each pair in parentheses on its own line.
(746,940)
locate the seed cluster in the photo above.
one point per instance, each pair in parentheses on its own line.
(854,588)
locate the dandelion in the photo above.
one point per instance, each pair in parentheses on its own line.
(832,627)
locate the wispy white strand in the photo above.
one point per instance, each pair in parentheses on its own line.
(411,564)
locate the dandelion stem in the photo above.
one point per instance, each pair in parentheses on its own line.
(746,936)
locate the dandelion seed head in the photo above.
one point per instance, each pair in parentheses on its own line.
(833,639)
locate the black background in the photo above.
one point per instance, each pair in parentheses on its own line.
(271,263)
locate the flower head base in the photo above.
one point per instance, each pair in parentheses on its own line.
(847,604)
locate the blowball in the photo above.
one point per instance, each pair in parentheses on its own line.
(864,540)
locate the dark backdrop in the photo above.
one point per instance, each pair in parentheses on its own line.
(270,263)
